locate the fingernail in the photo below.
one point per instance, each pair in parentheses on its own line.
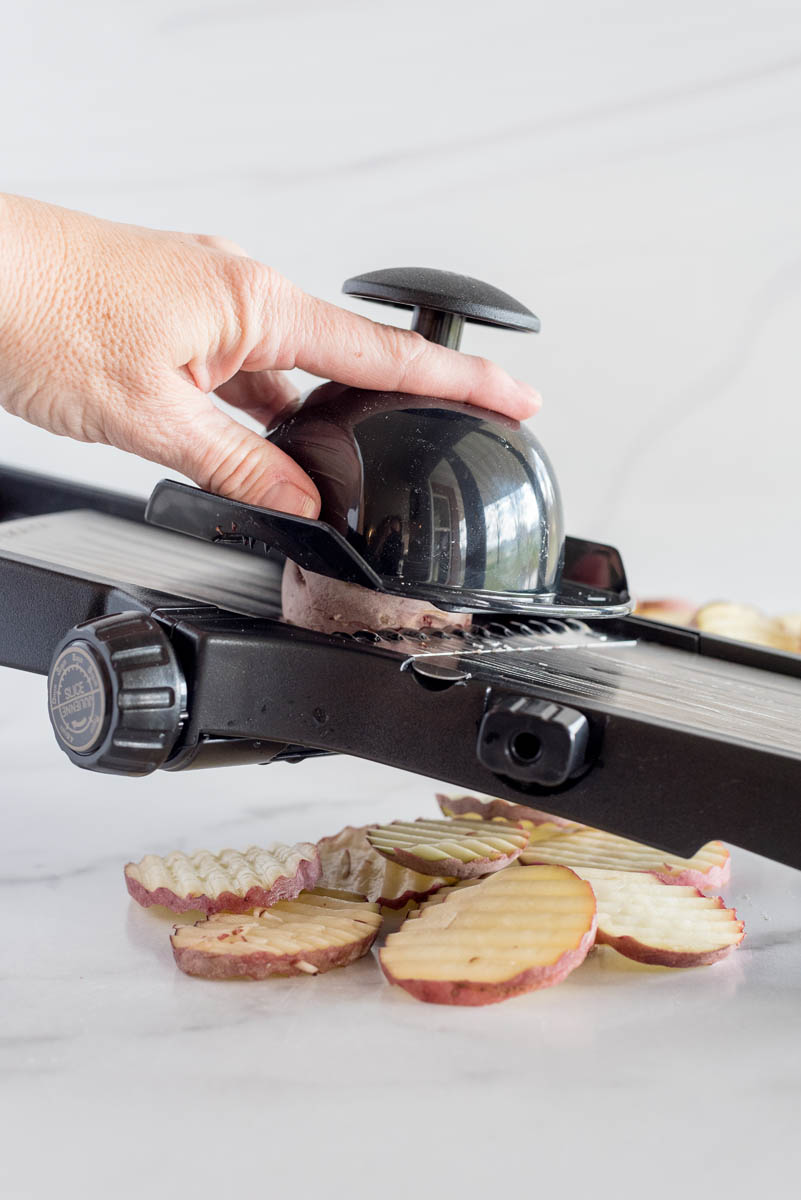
(286,497)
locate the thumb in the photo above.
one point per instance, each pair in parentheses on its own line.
(222,456)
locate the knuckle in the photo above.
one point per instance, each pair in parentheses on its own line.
(236,470)
(408,349)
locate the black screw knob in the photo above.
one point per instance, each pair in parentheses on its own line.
(442,301)
(116,695)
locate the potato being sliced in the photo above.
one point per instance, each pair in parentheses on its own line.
(229,881)
(653,922)
(708,868)
(513,932)
(306,936)
(491,808)
(349,861)
(460,849)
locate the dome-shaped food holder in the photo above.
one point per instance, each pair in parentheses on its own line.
(421,497)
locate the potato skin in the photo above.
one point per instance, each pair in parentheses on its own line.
(285,888)
(457,806)
(653,956)
(262,965)
(331,606)
(660,956)
(713,877)
(465,992)
(453,868)
(337,873)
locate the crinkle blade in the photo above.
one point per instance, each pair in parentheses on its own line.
(229,881)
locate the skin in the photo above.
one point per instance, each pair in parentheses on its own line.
(285,888)
(474,994)
(348,859)
(118,334)
(488,810)
(262,965)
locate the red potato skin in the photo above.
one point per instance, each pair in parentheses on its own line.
(453,868)
(466,993)
(397,902)
(285,888)
(392,902)
(715,877)
(262,965)
(490,809)
(657,956)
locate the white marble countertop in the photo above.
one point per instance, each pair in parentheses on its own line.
(121,1077)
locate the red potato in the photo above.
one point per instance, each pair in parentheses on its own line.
(744,623)
(791,624)
(709,867)
(331,606)
(315,932)
(348,860)
(516,931)
(458,849)
(666,925)
(669,611)
(229,881)
(490,808)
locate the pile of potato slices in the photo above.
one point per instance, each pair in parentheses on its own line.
(496,899)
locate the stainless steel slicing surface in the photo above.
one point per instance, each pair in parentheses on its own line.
(658,683)
(111,550)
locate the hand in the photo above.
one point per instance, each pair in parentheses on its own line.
(112,333)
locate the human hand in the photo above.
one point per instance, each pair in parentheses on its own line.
(118,334)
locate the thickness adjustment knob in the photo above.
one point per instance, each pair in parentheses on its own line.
(116,695)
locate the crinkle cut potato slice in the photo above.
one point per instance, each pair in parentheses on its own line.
(653,922)
(513,932)
(709,867)
(491,808)
(459,849)
(349,861)
(744,623)
(229,881)
(308,935)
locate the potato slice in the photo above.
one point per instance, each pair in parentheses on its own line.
(460,849)
(709,867)
(744,623)
(652,922)
(670,610)
(229,881)
(315,932)
(490,808)
(511,933)
(349,861)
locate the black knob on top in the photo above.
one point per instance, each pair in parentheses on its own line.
(116,695)
(442,301)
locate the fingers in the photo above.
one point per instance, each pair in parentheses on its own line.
(350,349)
(222,456)
(265,395)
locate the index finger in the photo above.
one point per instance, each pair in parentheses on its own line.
(350,349)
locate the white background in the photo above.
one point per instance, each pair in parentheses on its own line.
(631,171)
